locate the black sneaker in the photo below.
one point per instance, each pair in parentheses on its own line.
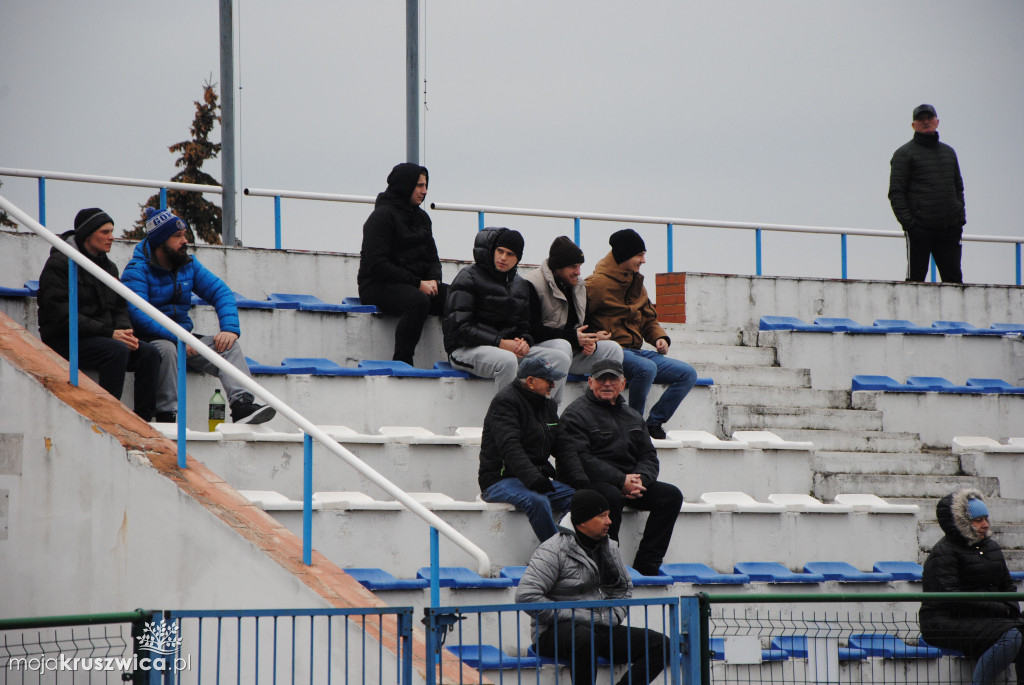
(656,432)
(244,410)
(166,417)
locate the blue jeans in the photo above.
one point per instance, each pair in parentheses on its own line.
(997,657)
(537,506)
(644,368)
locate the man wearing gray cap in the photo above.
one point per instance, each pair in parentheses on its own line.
(926,192)
(521,433)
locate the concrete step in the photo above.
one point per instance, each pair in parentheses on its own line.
(684,334)
(896,463)
(1010,536)
(772,417)
(859,441)
(723,354)
(828,485)
(1001,509)
(775,396)
(770,376)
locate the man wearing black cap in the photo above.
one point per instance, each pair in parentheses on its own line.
(926,192)
(163,273)
(486,320)
(583,565)
(520,435)
(615,448)
(558,307)
(399,270)
(106,340)
(617,302)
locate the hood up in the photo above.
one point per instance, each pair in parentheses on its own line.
(951,512)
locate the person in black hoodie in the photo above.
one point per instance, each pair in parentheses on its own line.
(106,341)
(399,270)
(927,196)
(967,559)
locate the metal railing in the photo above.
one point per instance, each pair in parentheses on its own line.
(311,430)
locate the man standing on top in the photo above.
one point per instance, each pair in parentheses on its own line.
(399,270)
(487,314)
(558,306)
(926,192)
(617,302)
(106,341)
(163,273)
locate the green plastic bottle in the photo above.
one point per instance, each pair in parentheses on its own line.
(217,406)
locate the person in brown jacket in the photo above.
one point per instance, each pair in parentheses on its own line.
(617,302)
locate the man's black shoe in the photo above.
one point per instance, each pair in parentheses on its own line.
(656,432)
(166,417)
(244,410)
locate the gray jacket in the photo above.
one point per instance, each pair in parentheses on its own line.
(561,571)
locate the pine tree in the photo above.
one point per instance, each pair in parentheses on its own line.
(4,219)
(200,214)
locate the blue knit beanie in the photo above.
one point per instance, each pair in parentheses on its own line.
(976,509)
(161,225)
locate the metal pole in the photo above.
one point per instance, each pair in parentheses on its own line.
(277,222)
(757,251)
(843,238)
(670,243)
(931,261)
(435,562)
(73,322)
(42,200)
(163,198)
(227,122)
(182,403)
(1018,263)
(576,231)
(479,221)
(412,78)
(307,499)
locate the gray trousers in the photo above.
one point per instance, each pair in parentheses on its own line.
(582,363)
(488,361)
(167,382)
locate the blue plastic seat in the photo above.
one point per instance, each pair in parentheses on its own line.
(704,381)
(945,650)
(774,572)
(640,579)
(904,326)
(16,292)
(788,323)
(900,570)
(891,647)
(461,577)
(326,367)
(796,645)
(566,661)
(489,657)
(843,325)
(702,574)
(1017,575)
(279,370)
(401,369)
(312,303)
(717,645)
(962,328)
(356,302)
(244,302)
(513,573)
(379,579)
(451,372)
(939,384)
(33,288)
(883,383)
(994,385)
(1003,328)
(845,573)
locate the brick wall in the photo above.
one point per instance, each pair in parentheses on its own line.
(671,297)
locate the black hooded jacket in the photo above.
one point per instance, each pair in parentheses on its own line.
(925,188)
(101,311)
(484,305)
(962,561)
(398,243)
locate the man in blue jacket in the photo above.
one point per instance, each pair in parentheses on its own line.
(162,272)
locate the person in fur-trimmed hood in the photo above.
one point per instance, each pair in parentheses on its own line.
(967,559)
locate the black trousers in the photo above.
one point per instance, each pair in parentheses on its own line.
(644,650)
(663,501)
(412,307)
(112,360)
(945,246)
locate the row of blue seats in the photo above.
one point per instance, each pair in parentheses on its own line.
(859,647)
(974,386)
(319,366)
(700,574)
(826,324)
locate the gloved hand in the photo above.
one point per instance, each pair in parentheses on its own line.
(541,485)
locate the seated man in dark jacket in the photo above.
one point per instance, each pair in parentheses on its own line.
(106,340)
(621,462)
(520,434)
(399,271)
(487,314)
(966,559)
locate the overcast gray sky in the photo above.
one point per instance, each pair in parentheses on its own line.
(778,112)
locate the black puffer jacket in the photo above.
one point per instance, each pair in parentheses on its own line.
(485,306)
(611,440)
(925,188)
(964,562)
(398,243)
(101,311)
(521,432)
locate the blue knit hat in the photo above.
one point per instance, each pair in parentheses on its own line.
(976,509)
(161,225)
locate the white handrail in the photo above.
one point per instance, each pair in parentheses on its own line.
(483,561)
(303,195)
(110,180)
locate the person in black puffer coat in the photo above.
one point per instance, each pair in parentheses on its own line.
(399,270)
(926,192)
(966,559)
(486,320)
